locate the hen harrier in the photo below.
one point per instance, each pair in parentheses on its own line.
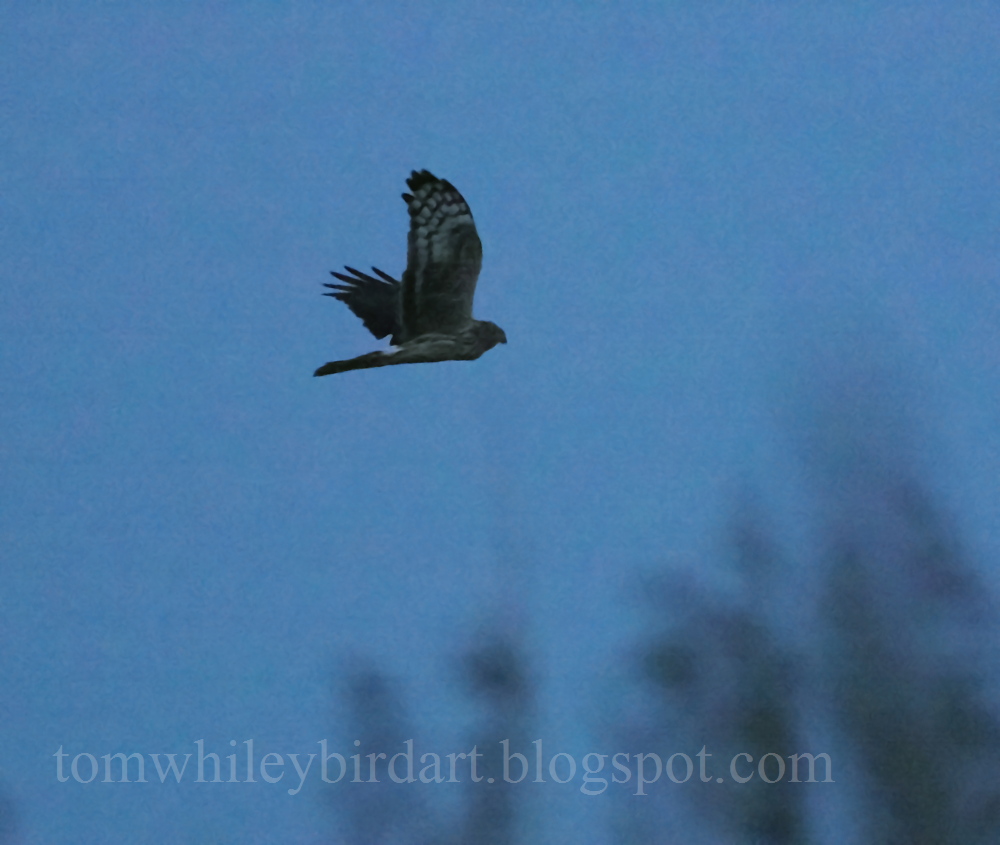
(428,316)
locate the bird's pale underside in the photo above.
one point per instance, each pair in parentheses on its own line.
(427,316)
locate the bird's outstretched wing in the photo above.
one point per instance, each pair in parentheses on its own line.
(374,301)
(443,259)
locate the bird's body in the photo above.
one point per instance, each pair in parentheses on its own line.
(428,315)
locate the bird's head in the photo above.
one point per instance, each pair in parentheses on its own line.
(490,334)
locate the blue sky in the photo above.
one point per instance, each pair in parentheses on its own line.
(695,218)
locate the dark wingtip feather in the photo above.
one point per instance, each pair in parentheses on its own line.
(373,300)
(420,178)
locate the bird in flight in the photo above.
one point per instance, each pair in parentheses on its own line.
(427,316)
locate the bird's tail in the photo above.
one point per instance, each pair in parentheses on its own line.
(421,350)
(362,362)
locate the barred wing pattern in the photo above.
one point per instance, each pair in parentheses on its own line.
(443,258)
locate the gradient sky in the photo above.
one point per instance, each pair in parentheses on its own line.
(692,214)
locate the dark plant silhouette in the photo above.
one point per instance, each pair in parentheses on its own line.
(494,672)
(722,679)
(877,648)
(910,624)
(493,675)
(386,811)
